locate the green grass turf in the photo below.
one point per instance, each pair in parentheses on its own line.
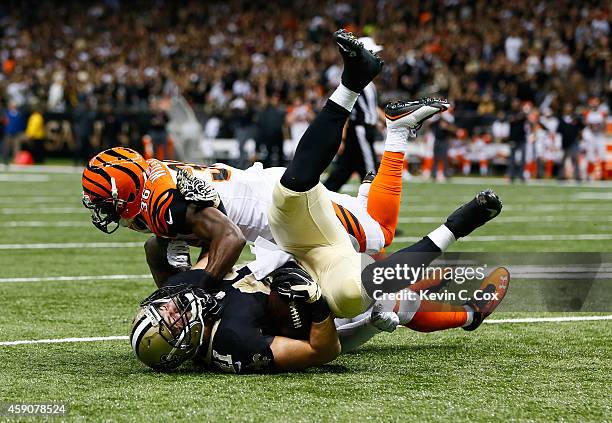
(540,372)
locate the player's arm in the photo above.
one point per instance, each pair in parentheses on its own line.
(223,238)
(322,347)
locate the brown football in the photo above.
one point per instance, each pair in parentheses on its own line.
(289,318)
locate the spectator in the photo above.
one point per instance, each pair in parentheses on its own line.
(112,127)
(569,128)
(83,128)
(513,45)
(500,128)
(35,135)
(14,125)
(518,140)
(55,102)
(242,127)
(477,52)
(443,129)
(270,125)
(158,133)
(299,116)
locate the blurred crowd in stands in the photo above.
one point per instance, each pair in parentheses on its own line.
(250,67)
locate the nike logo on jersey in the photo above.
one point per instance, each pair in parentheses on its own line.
(169,221)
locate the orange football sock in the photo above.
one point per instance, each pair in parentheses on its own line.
(427,165)
(424,284)
(432,316)
(548,169)
(386,193)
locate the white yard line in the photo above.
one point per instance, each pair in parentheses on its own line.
(12,177)
(549,319)
(65,340)
(486,181)
(515,219)
(414,208)
(125,338)
(43,224)
(44,210)
(590,196)
(75,278)
(525,238)
(60,245)
(481,238)
(58,169)
(39,201)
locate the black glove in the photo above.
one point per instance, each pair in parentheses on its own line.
(294,283)
(211,304)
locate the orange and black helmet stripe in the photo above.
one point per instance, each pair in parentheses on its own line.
(118,163)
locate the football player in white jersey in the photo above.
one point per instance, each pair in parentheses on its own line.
(594,138)
(220,207)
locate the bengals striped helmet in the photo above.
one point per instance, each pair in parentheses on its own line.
(112,187)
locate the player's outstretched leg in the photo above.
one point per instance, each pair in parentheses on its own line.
(384,197)
(321,141)
(485,206)
(429,316)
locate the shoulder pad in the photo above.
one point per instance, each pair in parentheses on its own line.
(197,190)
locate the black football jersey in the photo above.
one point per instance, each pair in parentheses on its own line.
(240,339)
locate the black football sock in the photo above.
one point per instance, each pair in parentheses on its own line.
(316,149)
(416,256)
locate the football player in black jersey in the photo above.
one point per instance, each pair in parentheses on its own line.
(232,330)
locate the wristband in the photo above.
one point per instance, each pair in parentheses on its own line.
(319,310)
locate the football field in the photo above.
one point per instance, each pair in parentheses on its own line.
(63,281)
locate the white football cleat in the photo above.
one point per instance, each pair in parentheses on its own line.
(412,114)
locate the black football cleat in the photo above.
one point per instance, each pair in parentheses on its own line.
(492,291)
(412,114)
(473,214)
(360,65)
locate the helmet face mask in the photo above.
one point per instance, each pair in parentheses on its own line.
(169,327)
(105,213)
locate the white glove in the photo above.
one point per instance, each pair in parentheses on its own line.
(386,321)
(177,254)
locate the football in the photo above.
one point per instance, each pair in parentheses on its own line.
(289,318)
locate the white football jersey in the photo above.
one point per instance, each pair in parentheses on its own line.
(247,196)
